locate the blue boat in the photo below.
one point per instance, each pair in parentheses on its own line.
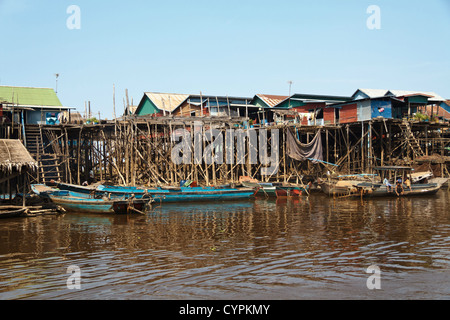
(169,194)
(72,202)
(88,203)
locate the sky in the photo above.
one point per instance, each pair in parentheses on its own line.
(234,48)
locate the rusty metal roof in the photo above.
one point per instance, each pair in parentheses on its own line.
(272,100)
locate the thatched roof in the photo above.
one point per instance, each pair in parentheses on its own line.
(14,155)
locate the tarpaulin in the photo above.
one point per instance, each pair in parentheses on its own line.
(298,151)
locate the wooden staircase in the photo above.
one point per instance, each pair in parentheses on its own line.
(411,139)
(49,168)
(33,141)
(48,162)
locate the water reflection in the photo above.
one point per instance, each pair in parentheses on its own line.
(284,248)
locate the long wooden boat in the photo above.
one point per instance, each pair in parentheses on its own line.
(442,182)
(370,190)
(261,188)
(43,190)
(290,190)
(11,211)
(170,194)
(338,188)
(80,203)
(373,188)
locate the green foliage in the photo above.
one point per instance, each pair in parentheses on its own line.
(421,117)
(92,120)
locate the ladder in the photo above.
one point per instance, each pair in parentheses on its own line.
(48,162)
(411,139)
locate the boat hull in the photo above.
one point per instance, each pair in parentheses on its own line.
(368,190)
(290,191)
(79,203)
(203,196)
(11,212)
(263,189)
(334,189)
(179,194)
(382,191)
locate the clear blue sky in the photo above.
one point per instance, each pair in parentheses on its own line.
(235,48)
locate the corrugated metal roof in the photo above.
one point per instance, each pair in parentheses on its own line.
(401,93)
(28,96)
(376,93)
(373,93)
(272,100)
(167,101)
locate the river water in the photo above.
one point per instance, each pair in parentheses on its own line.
(307,248)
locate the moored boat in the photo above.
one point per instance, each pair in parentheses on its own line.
(261,188)
(395,181)
(442,182)
(168,194)
(76,202)
(379,190)
(11,211)
(291,190)
(338,188)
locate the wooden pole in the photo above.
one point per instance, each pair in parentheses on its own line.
(79,156)
(201,104)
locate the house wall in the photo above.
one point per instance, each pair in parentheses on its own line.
(364,110)
(302,109)
(222,111)
(42,117)
(381,108)
(417,99)
(146,107)
(259,103)
(329,116)
(348,113)
(360,95)
(445,106)
(187,110)
(291,103)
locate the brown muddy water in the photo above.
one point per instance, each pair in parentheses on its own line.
(309,248)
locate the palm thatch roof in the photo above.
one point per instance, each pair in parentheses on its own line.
(14,155)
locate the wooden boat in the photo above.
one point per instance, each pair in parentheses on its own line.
(169,194)
(42,190)
(290,190)
(338,187)
(442,182)
(420,177)
(80,203)
(380,190)
(11,211)
(262,188)
(358,188)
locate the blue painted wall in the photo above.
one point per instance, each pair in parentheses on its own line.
(381,109)
(445,106)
